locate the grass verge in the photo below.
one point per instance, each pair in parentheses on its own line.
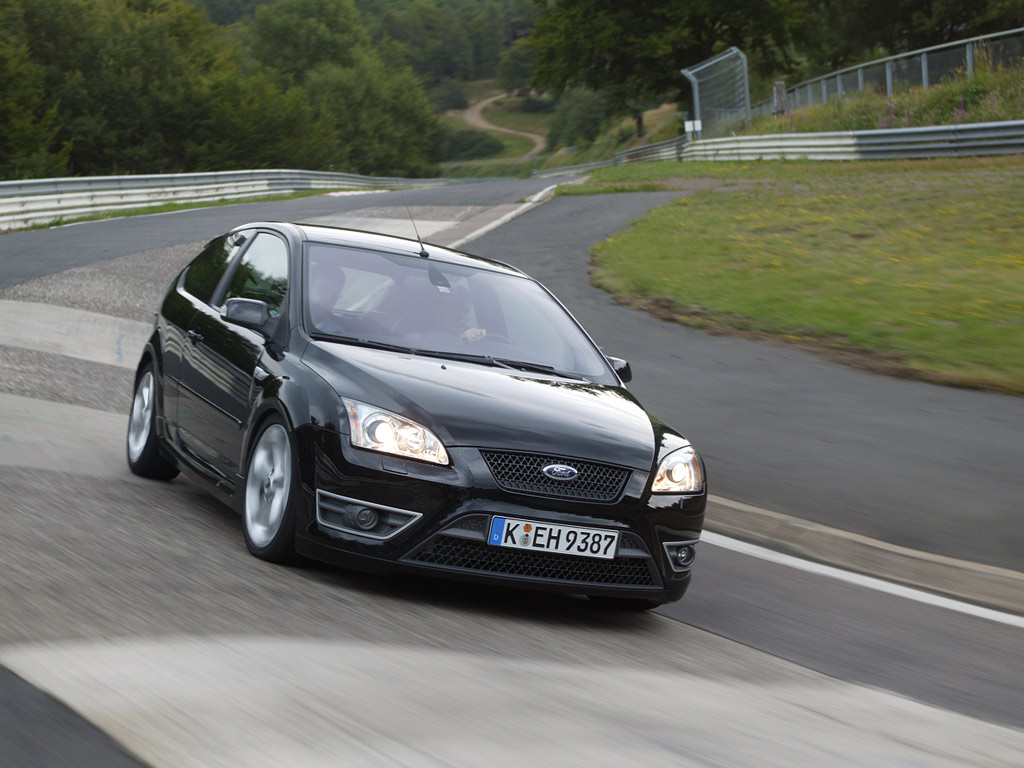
(908,268)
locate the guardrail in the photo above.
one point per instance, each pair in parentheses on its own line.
(38,201)
(662,150)
(966,140)
(969,140)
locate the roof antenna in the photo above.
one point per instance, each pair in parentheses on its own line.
(423,251)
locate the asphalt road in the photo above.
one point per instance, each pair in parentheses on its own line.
(95,559)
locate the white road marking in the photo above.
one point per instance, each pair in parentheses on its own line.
(868,582)
(532,202)
(72,332)
(258,701)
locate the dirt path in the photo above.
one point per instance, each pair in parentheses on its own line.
(474,116)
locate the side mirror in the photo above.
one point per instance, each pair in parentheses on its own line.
(621,367)
(248,313)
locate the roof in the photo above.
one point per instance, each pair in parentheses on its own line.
(379,241)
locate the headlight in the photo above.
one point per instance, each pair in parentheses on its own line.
(379,430)
(679,472)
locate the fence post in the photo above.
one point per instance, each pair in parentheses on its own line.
(839,86)
(860,79)
(970,60)
(779,98)
(924,70)
(746,82)
(888,78)
(696,102)
(824,91)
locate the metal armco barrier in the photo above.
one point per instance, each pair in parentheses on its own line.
(663,150)
(967,140)
(24,203)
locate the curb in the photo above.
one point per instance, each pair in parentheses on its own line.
(987,585)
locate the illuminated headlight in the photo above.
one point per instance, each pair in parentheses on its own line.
(679,472)
(380,430)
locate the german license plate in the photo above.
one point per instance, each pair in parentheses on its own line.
(547,537)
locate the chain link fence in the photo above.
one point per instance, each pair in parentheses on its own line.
(921,68)
(721,93)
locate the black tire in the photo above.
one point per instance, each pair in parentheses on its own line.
(270,496)
(623,604)
(142,444)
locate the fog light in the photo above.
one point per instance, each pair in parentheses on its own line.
(366,519)
(685,556)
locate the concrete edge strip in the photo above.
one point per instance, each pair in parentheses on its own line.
(860,580)
(989,585)
(531,202)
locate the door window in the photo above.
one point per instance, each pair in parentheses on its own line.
(262,273)
(206,270)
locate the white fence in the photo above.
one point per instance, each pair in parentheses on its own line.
(39,201)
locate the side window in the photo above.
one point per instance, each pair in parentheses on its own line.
(262,274)
(206,270)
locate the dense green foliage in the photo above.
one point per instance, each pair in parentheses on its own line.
(633,52)
(96,87)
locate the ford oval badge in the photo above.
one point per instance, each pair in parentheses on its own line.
(560,472)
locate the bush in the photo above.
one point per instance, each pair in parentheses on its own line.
(579,118)
(535,105)
(448,94)
(470,144)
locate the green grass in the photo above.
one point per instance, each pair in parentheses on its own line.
(914,268)
(168,208)
(605,189)
(507,113)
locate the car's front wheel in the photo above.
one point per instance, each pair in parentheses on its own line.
(144,456)
(271,494)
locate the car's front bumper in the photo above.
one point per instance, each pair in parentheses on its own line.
(441,517)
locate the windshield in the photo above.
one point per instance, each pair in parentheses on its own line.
(434,307)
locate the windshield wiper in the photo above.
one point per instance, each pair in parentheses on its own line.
(522,365)
(364,343)
(464,357)
(500,362)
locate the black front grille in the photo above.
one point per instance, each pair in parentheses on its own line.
(521,473)
(471,555)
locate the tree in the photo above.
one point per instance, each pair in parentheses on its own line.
(294,37)
(635,50)
(28,125)
(848,31)
(516,66)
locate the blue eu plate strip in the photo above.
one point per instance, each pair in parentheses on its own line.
(497,526)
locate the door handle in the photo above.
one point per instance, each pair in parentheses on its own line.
(195,337)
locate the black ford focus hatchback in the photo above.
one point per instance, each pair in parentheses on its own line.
(369,401)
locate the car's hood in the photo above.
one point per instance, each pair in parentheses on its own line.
(466,404)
